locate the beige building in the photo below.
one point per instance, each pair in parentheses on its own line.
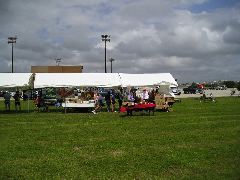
(56,69)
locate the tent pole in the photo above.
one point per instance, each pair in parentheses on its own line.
(28,104)
(65,109)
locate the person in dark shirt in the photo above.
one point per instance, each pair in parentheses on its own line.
(152,96)
(7,98)
(17,101)
(113,101)
(120,99)
(108,100)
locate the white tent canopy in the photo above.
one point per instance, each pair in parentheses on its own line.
(76,79)
(101,79)
(147,79)
(86,79)
(14,79)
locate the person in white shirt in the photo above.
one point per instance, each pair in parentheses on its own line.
(98,102)
(145,95)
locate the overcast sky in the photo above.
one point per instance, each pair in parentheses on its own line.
(195,40)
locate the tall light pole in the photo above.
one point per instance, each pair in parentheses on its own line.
(58,60)
(12,40)
(111,60)
(106,38)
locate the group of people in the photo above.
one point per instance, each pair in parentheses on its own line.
(120,96)
(138,96)
(42,104)
(7,100)
(204,97)
(110,99)
(39,101)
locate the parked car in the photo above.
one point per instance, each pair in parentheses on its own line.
(176,91)
(12,93)
(1,93)
(189,90)
(200,91)
(221,87)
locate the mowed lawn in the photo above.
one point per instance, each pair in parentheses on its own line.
(195,140)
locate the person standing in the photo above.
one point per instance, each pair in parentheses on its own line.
(145,96)
(7,98)
(38,102)
(108,100)
(98,103)
(120,99)
(17,101)
(152,96)
(113,101)
(131,97)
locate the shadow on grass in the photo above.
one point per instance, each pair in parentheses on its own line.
(30,111)
(137,113)
(78,110)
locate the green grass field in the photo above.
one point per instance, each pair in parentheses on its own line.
(194,141)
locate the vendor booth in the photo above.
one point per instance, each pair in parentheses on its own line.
(84,80)
(113,80)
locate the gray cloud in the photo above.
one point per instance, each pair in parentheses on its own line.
(145,37)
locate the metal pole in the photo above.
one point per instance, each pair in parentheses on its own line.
(111,60)
(28,104)
(105,57)
(105,38)
(12,57)
(12,40)
(111,66)
(65,109)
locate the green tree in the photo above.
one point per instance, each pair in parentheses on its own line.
(194,85)
(230,84)
(238,86)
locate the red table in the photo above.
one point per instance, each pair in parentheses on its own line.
(138,107)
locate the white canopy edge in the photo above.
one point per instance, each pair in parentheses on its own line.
(147,79)
(76,79)
(86,79)
(14,79)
